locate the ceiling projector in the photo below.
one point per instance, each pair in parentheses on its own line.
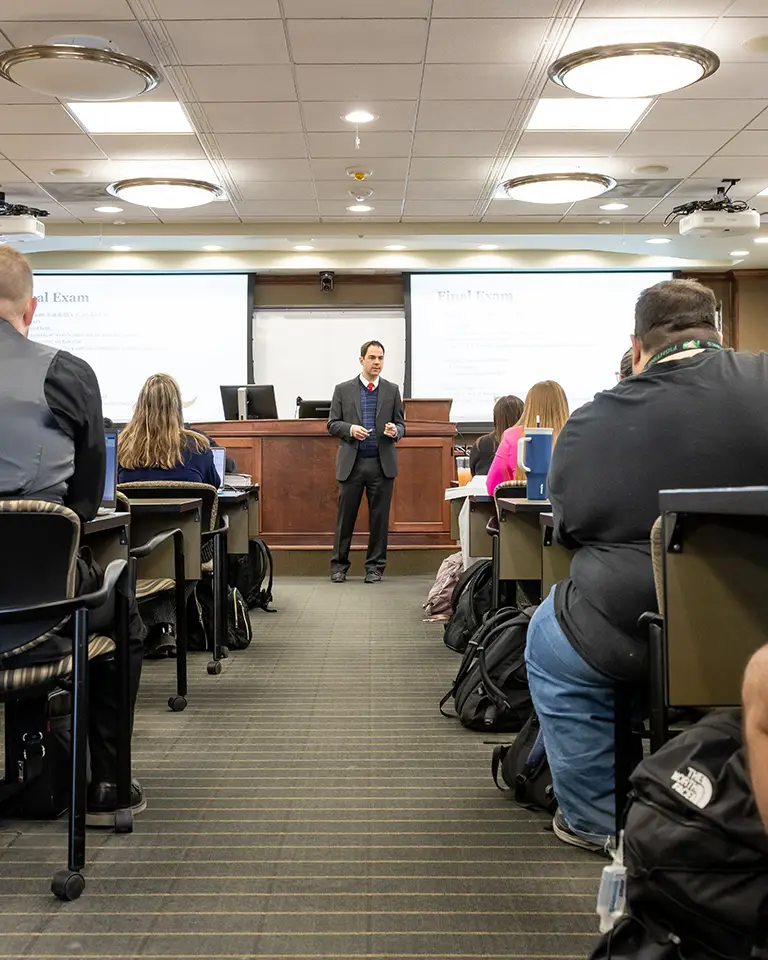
(719,217)
(21,229)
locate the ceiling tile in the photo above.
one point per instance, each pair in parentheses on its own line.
(252,146)
(276,117)
(701,188)
(12,93)
(476,9)
(126,33)
(335,9)
(746,8)
(569,143)
(10,173)
(701,114)
(592,218)
(735,81)
(444,209)
(225,9)
(150,146)
(268,170)
(108,170)
(384,168)
(444,189)
(30,118)
(278,190)
(357,41)
(225,42)
(761,121)
(493,81)
(506,207)
(484,41)
(277,208)
(76,10)
(592,32)
(374,144)
(199,214)
(382,189)
(326,117)
(451,144)
(519,218)
(657,143)
(26,192)
(50,147)
(727,38)
(619,166)
(242,84)
(751,143)
(364,82)
(459,168)
(734,167)
(337,208)
(634,207)
(131,213)
(654,8)
(465,114)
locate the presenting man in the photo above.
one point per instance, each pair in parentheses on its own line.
(367,417)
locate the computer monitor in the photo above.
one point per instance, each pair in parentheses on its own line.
(314,409)
(109,500)
(220,462)
(249,402)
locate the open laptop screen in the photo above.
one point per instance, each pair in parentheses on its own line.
(109,499)
(219,461)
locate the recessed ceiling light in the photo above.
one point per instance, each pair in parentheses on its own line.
(360,208)
(739,253)
(303,247)
(570,113)
(151,116)
(757,44)
(211,247)
(78,68)
(487,246)
(558,187)
(763,239)
(165,193)
(120,248)
(68,172)
(614,206)
(633,69)
(359,116)
(395,246)
(651,169)
(659,240)
(108,209)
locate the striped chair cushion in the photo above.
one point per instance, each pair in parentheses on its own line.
(25,677)
(148,588)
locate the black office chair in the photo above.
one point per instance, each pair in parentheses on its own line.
(38,567)
(213,550)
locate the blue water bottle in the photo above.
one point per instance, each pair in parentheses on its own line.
(534,452)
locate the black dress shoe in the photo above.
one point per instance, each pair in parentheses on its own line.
(338,577)
(102,803)
(372,576)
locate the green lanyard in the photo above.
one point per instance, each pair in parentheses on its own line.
(682,346)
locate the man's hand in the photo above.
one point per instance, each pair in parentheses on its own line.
(358,432)
(390,431)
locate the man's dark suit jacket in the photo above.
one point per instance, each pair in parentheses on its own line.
(347,410)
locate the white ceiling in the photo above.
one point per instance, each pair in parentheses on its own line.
(453,82)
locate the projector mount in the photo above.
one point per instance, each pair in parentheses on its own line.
(18,209)
(720,202)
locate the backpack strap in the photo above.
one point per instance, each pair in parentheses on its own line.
(536,756)
(497,760)
(480,636)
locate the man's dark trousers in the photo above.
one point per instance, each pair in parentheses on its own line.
(367,476)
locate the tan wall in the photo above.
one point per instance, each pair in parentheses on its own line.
(752,306)
(303,290)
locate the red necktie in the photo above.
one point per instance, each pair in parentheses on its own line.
(370,387)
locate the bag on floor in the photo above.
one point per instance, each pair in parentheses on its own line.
(525,769)
(441,592)
(200,619)
(696,850)
(470,602)
(252,574)
(490,691)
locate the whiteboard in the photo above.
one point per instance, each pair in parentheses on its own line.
(305,353)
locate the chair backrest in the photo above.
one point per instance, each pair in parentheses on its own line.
(658,563)
(176,489)
(508,488)
(38,564)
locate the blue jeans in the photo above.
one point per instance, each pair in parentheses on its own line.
(575,707)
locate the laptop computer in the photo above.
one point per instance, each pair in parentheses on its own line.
(220,462)
(109,499)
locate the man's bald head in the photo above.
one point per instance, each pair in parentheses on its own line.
(17,303)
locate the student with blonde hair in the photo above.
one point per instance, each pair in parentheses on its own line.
(546,405)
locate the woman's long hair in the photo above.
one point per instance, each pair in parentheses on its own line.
(546,401)
(506,413)
(156,436)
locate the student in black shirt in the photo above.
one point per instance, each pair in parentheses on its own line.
(506,412)
(693,415)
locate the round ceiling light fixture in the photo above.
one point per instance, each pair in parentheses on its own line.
(557,187)
(628,70)
(77,68)
(165,193)
(659,240)
(360,208)
(359,116)
(613,206)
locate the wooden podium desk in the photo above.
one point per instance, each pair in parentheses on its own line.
(293,461)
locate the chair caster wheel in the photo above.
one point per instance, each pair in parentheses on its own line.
(214,668)
(177,703)
(67,885)
(124,820)
(223,653)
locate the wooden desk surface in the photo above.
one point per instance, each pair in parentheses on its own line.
(547,520)
(743,501)
(159,505)
(522,505)
(233,496)
(108,521)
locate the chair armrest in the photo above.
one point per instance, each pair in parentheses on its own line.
(492,527)
(62,608)
(138,553)
(223,527)
(650,618)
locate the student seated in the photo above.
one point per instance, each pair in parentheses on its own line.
(546,405)
(50,419)
(653,431)
(156,445)
(506,412)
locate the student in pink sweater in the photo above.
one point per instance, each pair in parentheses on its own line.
(546,401)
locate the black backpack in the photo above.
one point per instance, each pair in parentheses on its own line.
(525,769)
(696,852)
(470,603)
(248,572)
(200,618)
(490,691)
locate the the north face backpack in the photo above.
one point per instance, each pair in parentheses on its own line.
(524,768)
(490,691)
(252,575)
(696,853)
(470,602)
(200,613)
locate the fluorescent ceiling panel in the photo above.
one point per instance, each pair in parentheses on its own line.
(151,116)
(572,113)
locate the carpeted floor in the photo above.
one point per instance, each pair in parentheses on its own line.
(311,802)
